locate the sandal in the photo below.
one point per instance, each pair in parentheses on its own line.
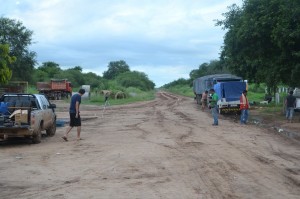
(64,138)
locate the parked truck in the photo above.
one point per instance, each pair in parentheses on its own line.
(26,115)
(229,95)
(206,83)
(56,89)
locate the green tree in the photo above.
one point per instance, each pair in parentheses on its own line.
(115,68)
(213,67)
(5,61)
(74,75)
(18,37)
(178,82)
(50,68)
(262,42)
(201,71)
(93,79)
(135,79)
(39,76)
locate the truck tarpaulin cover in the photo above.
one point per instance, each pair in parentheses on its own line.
(231,91)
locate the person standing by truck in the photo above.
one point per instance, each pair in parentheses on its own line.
(204,100)
(75,120)
(213,106)
(290,103)
(244,107)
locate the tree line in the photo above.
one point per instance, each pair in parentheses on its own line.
(17,63)
(261,43)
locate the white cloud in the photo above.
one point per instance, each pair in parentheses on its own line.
(155,36)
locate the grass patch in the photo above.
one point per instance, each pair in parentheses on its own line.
(184,90)
(131,97)
(256,97)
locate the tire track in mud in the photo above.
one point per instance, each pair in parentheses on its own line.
(161,149)
(182,148)
(208,181)
(265,161)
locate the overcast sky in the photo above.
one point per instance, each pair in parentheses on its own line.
(165,39)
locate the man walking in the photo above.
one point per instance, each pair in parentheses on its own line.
(244,107)
(74,114)
(213,105)
(290,104)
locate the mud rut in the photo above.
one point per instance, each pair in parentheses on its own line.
(165,148)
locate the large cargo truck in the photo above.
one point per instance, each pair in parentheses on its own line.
(206,83)
(56,89)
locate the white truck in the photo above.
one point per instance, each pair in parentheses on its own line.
(26,115)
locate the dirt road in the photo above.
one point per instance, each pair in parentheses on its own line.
(165,148)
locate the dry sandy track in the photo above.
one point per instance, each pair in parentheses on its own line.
(165,148)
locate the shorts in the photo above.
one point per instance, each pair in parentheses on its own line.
(75,121)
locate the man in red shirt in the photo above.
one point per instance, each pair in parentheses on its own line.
(244,107)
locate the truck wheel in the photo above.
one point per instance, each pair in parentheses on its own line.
(198,99)
(37,137)
(51,131)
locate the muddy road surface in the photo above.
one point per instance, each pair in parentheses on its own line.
(166,148)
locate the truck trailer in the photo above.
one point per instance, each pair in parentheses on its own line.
(56,89)
(206,83)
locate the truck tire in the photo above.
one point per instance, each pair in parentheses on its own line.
(51,131)
(37,136)
(198,99)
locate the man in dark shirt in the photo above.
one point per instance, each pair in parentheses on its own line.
(75,114)
(290,104)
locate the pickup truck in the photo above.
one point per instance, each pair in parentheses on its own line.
(26,115)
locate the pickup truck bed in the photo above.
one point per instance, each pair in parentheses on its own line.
(26,115)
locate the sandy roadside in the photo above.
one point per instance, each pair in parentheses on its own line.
(165,148)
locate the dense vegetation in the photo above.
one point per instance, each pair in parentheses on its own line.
(5,60)
(18,63)
(18,38)
(262,44)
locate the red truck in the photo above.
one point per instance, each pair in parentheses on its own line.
(56,89)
